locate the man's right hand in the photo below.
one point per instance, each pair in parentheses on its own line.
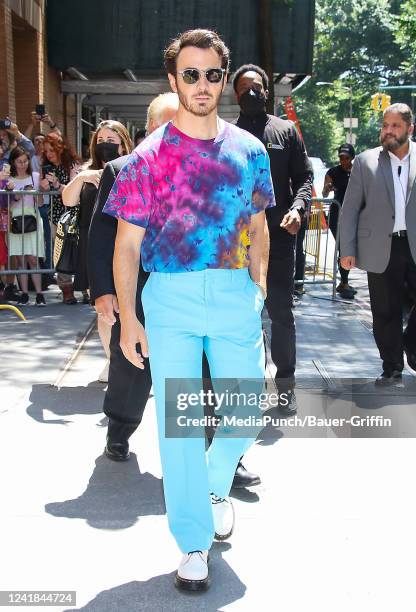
(132,333)
(348,262)
(105,306)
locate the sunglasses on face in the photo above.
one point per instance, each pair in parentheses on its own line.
(192,75)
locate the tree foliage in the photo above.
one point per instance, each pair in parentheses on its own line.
(405,32)
(360,44)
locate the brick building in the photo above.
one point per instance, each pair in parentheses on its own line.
(25,77)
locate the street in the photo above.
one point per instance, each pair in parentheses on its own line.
(319,533)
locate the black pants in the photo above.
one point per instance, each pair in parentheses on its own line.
(387,293)
(280,283)
(333,226)
(128,387)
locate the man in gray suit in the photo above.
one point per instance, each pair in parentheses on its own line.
(378,234)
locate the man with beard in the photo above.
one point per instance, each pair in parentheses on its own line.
(129,387)
(292,181)
(378,234)
(185,203)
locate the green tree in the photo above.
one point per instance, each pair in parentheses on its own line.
(405,32)
(355,45)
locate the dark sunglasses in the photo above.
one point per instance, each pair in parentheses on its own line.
(192,75)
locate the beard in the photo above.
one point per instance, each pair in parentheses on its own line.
(392,143)
(199,108)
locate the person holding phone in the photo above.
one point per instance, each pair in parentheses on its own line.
(38,117)
(11,137)
(5,183)
(27,246)
(60,165)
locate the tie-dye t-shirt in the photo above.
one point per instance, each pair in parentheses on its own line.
(194,197)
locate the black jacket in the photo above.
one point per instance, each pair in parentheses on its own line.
(291,169)
(102,236)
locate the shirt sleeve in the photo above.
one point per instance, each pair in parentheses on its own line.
(263,193)
(27,144)
(130,198)
(301,173)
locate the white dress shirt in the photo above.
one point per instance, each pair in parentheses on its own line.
(400,170)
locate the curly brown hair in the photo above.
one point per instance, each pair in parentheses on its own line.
(63,149)
(203,39)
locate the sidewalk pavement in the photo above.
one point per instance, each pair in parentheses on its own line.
(330,527)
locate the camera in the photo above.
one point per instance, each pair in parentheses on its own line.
(5,124)
(40,109)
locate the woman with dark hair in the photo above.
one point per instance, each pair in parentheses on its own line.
(110,140)
(27,247)
(60,166)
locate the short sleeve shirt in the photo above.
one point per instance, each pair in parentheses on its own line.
(194,197)
(340,179)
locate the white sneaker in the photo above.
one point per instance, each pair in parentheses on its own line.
(103,377)
(223,513)
(192,574)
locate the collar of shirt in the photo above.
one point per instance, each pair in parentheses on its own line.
(399,162)
(400,172)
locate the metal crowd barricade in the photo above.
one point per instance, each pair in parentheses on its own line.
(6,204)
(320,247)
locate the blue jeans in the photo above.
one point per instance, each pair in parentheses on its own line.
(218,311)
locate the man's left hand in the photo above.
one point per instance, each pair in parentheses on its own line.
(291,222)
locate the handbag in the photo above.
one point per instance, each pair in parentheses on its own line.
(24,224)
(66,243)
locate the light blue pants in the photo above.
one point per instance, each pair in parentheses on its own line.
(218,311)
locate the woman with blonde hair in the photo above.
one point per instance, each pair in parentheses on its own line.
(110,140)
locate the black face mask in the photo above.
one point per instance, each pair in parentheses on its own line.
(252,103)
(106,151)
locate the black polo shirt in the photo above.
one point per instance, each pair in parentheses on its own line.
(291,169)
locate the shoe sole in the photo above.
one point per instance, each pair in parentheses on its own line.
(393,383)
(114,457)
(191,585)
(254,483)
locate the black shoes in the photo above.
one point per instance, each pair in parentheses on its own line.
(40,300)
(389,378)
(117,451)
(117,447)
(346,291)
(23,299)
(243,478)
(11,293)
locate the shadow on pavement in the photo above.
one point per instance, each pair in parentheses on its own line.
(116,495)
(159,593)
(64,402)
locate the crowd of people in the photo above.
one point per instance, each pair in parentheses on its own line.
(184,239)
